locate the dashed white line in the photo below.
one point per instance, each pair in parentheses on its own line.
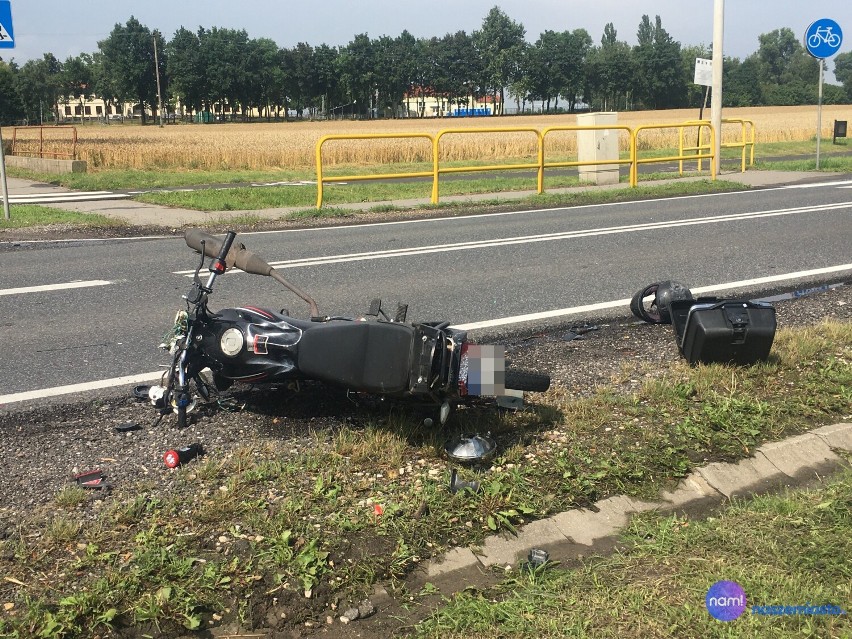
(53,287)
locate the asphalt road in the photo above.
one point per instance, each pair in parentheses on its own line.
(463,269)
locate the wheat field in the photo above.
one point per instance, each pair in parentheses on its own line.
(291,145)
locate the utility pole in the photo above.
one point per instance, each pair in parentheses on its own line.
(718,61)
(157,71)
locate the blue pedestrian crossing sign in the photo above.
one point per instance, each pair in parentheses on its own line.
(823,38)
(7,34)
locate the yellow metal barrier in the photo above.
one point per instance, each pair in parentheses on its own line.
(383,176)
(634,161)
(438,171)
(554,165)
(743,144)
(634,169)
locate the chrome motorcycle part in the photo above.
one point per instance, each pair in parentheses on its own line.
(469,450)
(232,342)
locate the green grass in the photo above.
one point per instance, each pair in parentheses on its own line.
(790,549)
(24,215)
(152,556)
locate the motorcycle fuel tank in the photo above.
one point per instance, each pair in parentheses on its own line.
(251,344)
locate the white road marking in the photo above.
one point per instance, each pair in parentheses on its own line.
(547,237)
(14,398)
(713,288)
(815,185)
(56,198)
(53,287)
(505,321)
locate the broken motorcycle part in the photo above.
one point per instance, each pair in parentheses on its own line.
(177,456)
(470,450)
(664,293)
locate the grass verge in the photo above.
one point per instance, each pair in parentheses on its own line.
(785,550)
(24,215)
(316,522)
(340,196)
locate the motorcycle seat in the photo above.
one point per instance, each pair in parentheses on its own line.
(373,357)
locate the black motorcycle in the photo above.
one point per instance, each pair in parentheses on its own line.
(375,354)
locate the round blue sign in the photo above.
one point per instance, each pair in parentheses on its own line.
(823,38)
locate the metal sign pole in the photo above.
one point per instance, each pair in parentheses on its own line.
(819,111)
(6,214)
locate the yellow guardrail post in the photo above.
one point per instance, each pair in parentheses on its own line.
(680,149)
(578,163)
(681,125)
(354,178)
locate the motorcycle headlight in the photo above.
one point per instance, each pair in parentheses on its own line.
(232,342)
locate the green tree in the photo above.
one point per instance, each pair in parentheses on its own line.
(39,88)
(501,43)
(662,83)
(225,57)
(11,107)
(266,76)
(128,63)
(77,81)
(742,82)
(185,69)
(357,63)
(789,73)
(843,72)
(611,70)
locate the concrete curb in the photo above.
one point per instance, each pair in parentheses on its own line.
(579,533)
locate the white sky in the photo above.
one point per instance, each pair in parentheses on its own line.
(67,28)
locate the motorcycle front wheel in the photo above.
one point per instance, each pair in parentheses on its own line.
(527,381)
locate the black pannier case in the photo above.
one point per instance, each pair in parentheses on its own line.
(729,331)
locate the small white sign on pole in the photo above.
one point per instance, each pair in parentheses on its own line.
(703,72)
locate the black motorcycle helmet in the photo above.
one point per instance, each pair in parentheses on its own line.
(664,293)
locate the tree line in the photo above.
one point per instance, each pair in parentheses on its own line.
(388,77)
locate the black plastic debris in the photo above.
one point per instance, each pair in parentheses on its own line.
(94,479)
(127,427)
(141,392)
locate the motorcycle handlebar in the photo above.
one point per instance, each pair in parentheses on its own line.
(242,258)
(226,246)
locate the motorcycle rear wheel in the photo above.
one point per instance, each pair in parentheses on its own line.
(527,381)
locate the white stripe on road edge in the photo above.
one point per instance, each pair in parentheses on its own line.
(815,185)
(26,196)
(547,237)
(53,287)
(79,388)
(58,199)
(563,312)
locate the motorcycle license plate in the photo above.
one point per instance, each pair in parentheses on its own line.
(486,370)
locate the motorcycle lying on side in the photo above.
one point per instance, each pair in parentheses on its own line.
(429,362)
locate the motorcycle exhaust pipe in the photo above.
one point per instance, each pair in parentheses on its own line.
(244,260)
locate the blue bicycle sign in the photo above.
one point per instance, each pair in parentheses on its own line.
(823,38)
